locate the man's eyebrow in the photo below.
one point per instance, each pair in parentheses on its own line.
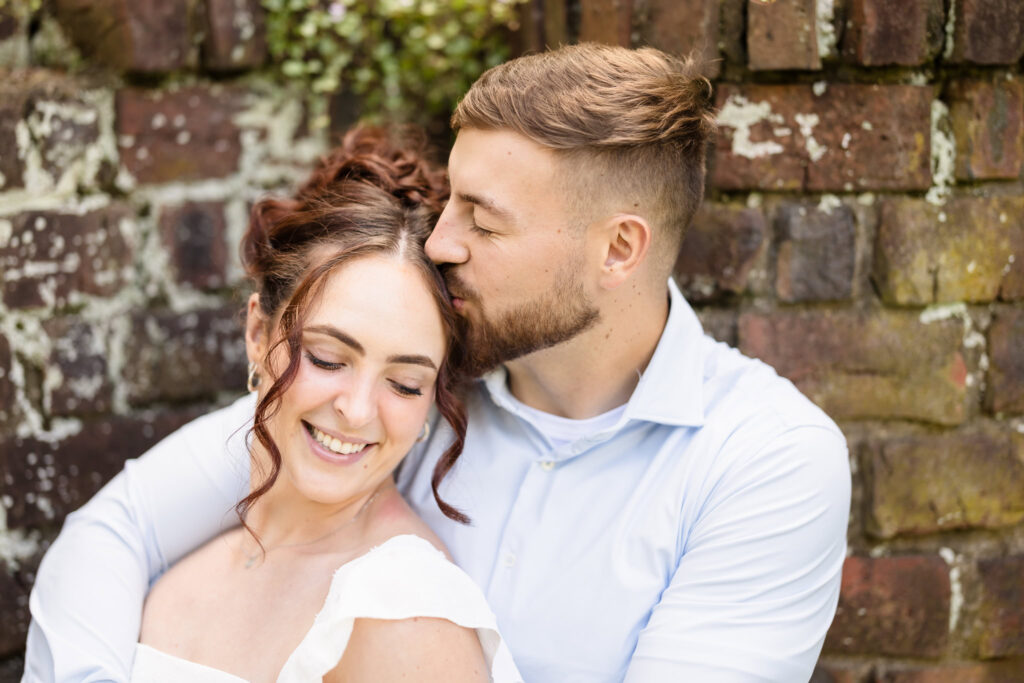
(347,340)
(487,204)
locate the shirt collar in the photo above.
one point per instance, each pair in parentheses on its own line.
(670,390)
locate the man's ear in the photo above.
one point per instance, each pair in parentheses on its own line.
(257,330)
(626,241)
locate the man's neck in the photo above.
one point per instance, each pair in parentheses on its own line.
(598,370)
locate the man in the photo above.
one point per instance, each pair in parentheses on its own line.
(647,504)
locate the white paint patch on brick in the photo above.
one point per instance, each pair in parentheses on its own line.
(943,155)
(741,115)
(825,30)
(956,597)
(807,122)
(15,545)
(947,51)
(828,203)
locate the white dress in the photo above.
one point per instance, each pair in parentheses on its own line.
(404,577)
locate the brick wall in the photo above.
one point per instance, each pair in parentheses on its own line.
(863,232)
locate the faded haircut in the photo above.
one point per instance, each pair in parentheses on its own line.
(631,127)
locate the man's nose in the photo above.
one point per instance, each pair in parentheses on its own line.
(445,244)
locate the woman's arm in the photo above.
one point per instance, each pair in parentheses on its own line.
(419,649)
(87,599)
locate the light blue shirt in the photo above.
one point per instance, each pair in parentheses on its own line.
(699,538)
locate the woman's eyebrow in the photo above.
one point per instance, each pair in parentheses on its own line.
(348,340)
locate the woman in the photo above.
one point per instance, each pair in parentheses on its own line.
(351,338)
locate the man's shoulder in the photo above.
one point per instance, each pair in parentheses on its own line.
(228,424)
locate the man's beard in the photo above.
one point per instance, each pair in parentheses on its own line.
(556,316)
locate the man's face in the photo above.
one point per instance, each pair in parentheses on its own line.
(514,259)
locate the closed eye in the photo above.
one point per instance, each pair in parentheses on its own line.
(480,231)
(406,391)
(320,363)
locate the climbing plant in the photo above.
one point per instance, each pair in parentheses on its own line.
(407,60)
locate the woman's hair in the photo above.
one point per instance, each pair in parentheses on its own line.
(371,195)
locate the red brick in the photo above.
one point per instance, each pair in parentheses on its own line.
(921,258)
(923,484)
(988,125)
(28,97)
(80,354)
(850,137)
(606,21)
(184,356)
(895,606)
(1001,612)
(879,33)
(817,253)
(681,27)
(179,135)
(720,323)
(841,672)
(865,365)
(47,480)
(236,35)
(719,250)
(782,35)
(52,255)
(732,41)
(15,585)
(957,672)
(1005,386)
(988,31)
(194,233)
(141,36)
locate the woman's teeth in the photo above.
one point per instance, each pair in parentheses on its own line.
(336,445)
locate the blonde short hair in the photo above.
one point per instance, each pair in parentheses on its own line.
(631,124)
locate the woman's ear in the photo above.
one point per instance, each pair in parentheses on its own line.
(257,330)
(627,239)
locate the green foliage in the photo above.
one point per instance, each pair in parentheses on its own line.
(29,6)
(408,60)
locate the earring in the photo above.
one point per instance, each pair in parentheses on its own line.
(253,380)
(425,434)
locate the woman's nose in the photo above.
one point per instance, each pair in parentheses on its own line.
(357,403)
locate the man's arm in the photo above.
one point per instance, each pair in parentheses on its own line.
(756,587)
(87,599)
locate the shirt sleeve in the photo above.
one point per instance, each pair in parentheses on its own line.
(86,602)
(757,584)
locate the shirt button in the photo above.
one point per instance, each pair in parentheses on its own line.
(547,465)
(509,560)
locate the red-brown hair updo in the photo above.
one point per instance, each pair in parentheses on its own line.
(373,194)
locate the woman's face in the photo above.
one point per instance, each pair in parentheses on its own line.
(372,344)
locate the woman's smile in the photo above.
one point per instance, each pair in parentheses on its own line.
(335,450)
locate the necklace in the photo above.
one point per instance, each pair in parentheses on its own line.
(251,559)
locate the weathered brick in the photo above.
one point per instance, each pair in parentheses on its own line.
(988,125)
(51,255)
(236,35)
(179,135)
(720,323)
(14,21)
(606,21)
(1005,386)
(194,234)
(46,480)
(80,354)
(848,137)
(6,385)
(988,31)
(1001,612)
(865,365)
(880,34)
(681,27)
(184,356)
(896,606)
(844,672)
(53,118)
(15,585)
(972,478)
(782,35)
(719,250)
(817,253)
(141,36)
(957,672)
(960,251)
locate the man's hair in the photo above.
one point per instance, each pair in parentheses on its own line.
(630,124)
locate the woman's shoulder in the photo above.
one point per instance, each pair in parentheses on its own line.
(395,517)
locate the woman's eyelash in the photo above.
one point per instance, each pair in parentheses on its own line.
(406,391)
(322,363)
